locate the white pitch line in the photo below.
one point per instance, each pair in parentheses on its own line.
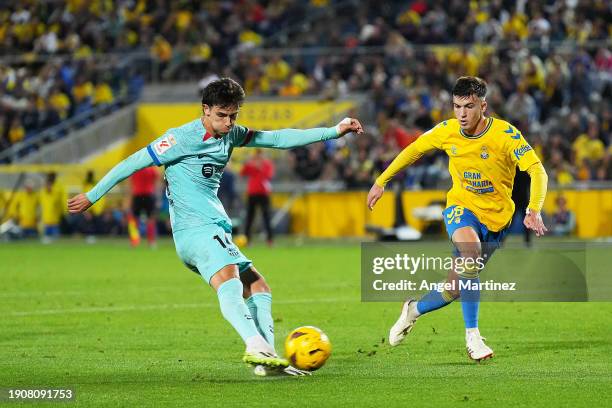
(110,309)
(137,308)
(137,289)
(8,295)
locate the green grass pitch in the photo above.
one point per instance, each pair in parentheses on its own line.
(127,327)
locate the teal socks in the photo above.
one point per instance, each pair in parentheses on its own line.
(260,305)
(234,309)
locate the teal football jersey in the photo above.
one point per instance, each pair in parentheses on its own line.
(194,162)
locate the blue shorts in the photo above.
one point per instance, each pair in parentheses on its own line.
(456,217)
(29,232)
(51,230)
(207,249)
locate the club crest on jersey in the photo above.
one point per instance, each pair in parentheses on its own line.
(453,150)
(484,153)
(165,144)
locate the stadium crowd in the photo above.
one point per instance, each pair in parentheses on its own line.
(61,58)
(548,66)
(32,100)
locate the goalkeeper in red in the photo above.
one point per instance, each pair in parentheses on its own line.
(483,155)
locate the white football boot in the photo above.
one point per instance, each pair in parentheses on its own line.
(404,323)
(475,346)
(263,371)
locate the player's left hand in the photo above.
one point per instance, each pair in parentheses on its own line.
(533,221)
(374,195)
(348,125)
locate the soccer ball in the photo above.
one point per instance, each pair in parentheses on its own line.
(307,348)
(241,241)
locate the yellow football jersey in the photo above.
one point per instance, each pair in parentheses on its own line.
(27,204)
(482,167)
(52,204)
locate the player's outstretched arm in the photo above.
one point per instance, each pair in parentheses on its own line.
(427,142)
(537,194)
(290,138)
(121,171)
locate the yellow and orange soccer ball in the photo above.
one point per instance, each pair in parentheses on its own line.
(307,348)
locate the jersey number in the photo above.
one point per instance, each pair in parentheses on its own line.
(220,241)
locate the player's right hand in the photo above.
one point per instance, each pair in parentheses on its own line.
(348,125)
(78,204)
(533,221)
(374,195)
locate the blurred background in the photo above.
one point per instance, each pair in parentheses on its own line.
(84,83)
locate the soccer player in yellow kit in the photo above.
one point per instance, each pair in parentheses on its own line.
(483,155)
(26,214)
(52,204)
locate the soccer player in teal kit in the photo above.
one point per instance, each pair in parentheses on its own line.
(194,156)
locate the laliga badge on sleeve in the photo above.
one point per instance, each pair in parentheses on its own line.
(165,144)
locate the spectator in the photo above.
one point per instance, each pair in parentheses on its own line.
(309,161)
(53,207)
(60,103)
(259,170)
(16,132)
(521,106)
(83,92)
(161,50)
(563,221)
(103,94)
(26,205)
(589,151)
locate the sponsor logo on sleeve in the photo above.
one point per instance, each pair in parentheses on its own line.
(164,144)
(520,152)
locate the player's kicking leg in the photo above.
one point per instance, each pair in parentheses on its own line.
(461,226)
(411,310)
(258,298)
(230,293)
(468,244)
(433,300)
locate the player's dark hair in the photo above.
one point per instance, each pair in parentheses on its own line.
(224,92)
(469,85)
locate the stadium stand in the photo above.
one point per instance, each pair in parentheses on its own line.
(544,63)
